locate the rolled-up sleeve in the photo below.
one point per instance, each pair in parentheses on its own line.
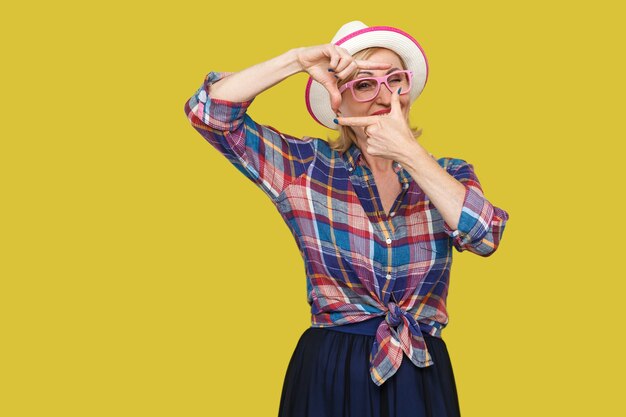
(481,224)
(269,158)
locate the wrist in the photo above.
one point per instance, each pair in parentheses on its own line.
(292,63)
(414,153)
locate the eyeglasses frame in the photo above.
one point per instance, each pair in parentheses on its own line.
(379,81)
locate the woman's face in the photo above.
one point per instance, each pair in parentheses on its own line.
(351,108)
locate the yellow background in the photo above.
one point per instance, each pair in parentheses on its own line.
(143,275)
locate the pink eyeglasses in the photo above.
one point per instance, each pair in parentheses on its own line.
(366,89)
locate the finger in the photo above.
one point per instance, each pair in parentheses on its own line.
(334,57)
(395,102)
(357,121)
(342,64)
(372,65)
(345,73)
(345,60)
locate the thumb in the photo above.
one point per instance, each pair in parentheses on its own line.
(335,96)
(335,101)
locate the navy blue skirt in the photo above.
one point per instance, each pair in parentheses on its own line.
(328,376)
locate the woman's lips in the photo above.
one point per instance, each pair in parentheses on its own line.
(381,112)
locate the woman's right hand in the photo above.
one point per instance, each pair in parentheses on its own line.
(317,60)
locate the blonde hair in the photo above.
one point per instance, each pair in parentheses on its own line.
(346,134)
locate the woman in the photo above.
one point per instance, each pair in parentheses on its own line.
(375,217)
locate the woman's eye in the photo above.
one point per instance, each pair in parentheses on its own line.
(364,85)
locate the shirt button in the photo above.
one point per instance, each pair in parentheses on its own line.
(388,241)
(350,169)
(388,276)
(393,213)
(405,185)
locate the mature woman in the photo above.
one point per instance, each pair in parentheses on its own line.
(374,214)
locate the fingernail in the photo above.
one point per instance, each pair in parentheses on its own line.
(399,89)
(336,121)
(331,70)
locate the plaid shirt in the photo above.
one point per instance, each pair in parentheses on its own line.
(360,261)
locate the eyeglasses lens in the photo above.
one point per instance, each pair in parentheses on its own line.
(366,88)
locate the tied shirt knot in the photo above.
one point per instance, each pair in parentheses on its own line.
(397,335)
(394,315)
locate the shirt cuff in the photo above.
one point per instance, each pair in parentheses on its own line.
(475,219)
(219,114)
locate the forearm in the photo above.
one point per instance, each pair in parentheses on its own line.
(250,82)
(445,192)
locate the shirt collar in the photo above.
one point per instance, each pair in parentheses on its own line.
(353,157)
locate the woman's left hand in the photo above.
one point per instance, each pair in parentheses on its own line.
(388,136)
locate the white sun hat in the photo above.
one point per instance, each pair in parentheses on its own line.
(356,36)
